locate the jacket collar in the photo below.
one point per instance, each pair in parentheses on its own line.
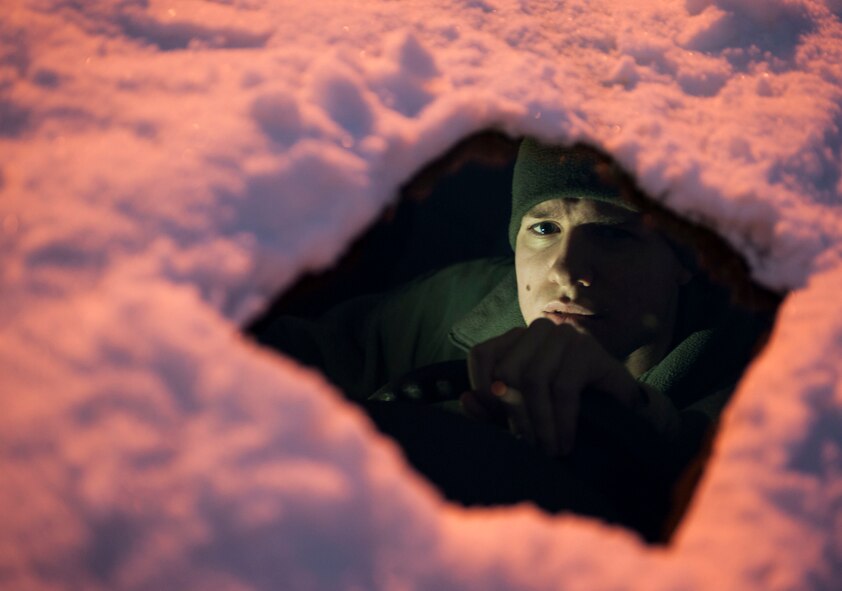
(495,314)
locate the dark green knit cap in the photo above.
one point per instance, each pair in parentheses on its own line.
(545,172)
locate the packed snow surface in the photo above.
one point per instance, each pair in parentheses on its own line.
(168,165)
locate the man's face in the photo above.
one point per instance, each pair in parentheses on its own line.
(598,267)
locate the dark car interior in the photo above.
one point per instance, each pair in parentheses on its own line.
(457,209)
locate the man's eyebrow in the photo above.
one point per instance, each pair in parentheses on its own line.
(541,212)
(618,219)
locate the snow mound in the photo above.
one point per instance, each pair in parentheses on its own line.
(168,165)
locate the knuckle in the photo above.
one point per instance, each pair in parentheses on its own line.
(566,331)
(540,322)
(531,383)
(541,326)
(508,373)
(563,391)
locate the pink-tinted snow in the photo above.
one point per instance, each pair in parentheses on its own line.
(166,166)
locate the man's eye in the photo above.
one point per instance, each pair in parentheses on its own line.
(544,228)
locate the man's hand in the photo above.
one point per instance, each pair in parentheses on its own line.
(533,379)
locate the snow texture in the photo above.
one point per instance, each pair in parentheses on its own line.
(168,165)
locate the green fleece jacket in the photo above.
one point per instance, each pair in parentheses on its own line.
(370,341)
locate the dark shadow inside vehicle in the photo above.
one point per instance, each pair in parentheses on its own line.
(455,209)
(458,209)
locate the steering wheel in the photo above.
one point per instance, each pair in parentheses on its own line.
(600,415)
(620,469)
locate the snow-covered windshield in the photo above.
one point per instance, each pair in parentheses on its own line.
(168,166)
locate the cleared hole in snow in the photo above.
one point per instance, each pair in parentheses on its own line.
(457,209)
(124,153)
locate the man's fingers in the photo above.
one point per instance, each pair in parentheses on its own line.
(515,384)
(481,409)
(615,380)
(484,358)
(567,392)
(513,403)
(539,407)
(535,377)
(537,381)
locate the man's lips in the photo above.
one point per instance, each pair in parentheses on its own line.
(561,313)
(570,308)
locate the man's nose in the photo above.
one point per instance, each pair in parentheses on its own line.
(571,262)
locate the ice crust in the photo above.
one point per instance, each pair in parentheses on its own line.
(168,166)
